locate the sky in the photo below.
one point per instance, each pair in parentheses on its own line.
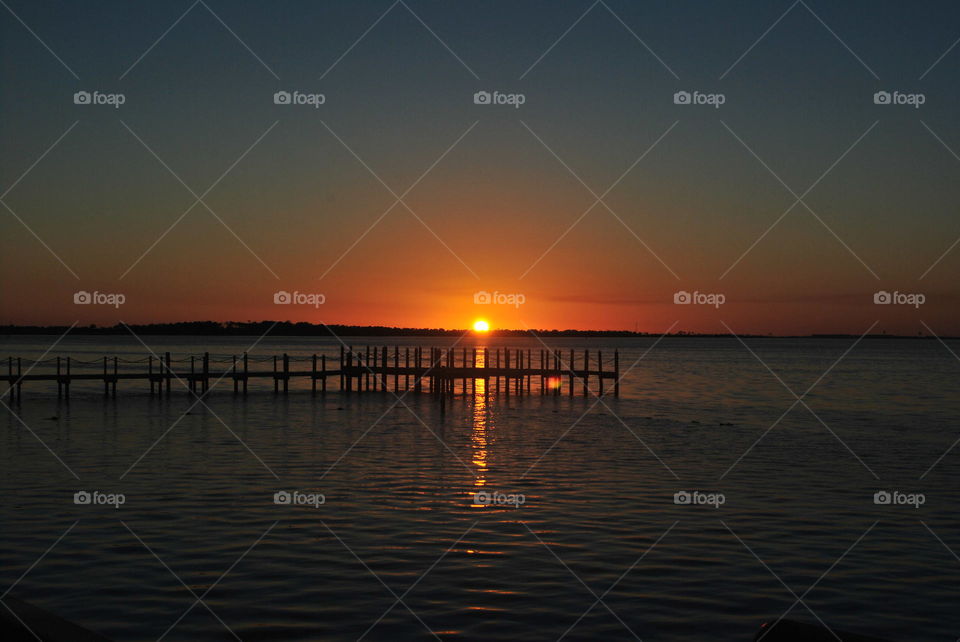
(597,203)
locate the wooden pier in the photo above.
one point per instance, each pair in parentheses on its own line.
(436,371)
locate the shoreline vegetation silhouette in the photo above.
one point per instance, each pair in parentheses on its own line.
(305,329)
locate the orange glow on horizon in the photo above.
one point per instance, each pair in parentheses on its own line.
(480,325)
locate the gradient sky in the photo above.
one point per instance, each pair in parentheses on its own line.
(499,199)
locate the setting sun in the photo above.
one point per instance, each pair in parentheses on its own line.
(481,326)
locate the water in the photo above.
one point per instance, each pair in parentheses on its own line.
(400,518)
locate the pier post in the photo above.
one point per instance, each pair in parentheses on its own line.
(59,380)
(245,375)
(206,371)
(570,367)
(20,378)
(10,386)
(168,375)
(323,364)
(600,370)
(114,376)
(66,384)
(313,375)
(557,366)
(286,372)
(233,373)
(586,372)
(616,373)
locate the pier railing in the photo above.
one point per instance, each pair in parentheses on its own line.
(437,371)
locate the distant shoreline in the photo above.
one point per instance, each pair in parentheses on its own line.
(288,329)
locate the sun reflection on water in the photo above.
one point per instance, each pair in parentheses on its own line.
(479,438)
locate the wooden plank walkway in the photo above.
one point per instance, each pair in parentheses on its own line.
(437,371)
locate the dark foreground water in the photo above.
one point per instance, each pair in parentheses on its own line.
(401,549)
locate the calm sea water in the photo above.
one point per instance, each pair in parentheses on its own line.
(401,521)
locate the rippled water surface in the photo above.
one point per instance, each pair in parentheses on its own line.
(598,549)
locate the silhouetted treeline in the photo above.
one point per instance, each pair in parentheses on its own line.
(304,329)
